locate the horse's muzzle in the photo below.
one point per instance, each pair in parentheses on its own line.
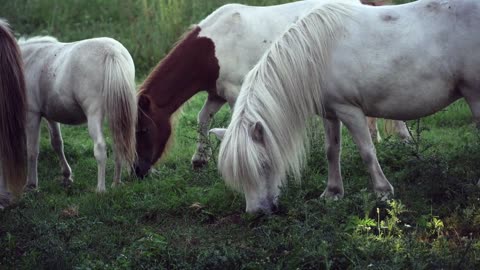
(142,169)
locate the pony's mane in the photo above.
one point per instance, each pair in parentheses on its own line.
(4,23)
(37,39)
(144,86)
(282,92)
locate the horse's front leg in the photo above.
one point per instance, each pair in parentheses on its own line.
(333,144)
(57,143)
(99,149)
(354,119)
(33,136)
(209,109)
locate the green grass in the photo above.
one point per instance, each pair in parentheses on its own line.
(178,218)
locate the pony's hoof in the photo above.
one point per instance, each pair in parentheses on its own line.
(117,184)
(5,200)
(67,182)
(384,195)
(332,194)
(31,188)
(199,164)
(101,190)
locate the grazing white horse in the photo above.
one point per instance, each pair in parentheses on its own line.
(345,61)
(12,118)
(73,83)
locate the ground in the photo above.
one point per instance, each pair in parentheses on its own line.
(180,218)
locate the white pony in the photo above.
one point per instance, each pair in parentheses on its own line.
(345,61)
(73,83)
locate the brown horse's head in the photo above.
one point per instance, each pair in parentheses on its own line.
(153,133)
(189,67)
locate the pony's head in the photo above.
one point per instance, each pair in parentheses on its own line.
(153,133)
(250,164)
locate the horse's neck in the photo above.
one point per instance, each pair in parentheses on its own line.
(189,68)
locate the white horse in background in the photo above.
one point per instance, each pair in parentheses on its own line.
(344,61)
(73,83)
(13,160)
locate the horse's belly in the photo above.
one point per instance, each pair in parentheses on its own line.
(66,113)
(411,107)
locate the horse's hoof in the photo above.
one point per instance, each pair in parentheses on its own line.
(199,164)
(67,182)
(101,190)
(384,195)
(31,188)
(5,200)
(117,184)
(334,195)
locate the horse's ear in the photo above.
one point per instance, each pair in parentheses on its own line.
(257,132)
(219,132)
(144,102)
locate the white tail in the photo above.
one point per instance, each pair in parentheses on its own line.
(120,104)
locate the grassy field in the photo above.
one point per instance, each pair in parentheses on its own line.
(178,218)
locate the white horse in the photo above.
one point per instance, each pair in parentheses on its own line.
(345,61)
(73,83)
(12,117)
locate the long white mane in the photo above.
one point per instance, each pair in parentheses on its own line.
(281,92)
(24,40)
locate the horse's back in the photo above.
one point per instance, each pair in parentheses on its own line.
(63,79)
(406,54)
(243,33)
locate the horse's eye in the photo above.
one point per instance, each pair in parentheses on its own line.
(142,130)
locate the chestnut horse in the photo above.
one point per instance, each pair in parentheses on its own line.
(12,117)
(214,56)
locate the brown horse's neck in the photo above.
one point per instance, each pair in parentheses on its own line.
(189,68)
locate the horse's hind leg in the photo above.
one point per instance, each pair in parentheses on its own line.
(117,181)
(333,143)
(399,127)
(209,109)
(473,101)
(4,194)
(57,144)
(33,136)
(355,121)
(99,149)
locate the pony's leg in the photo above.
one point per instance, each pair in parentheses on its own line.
(373,127)
(333,146)
(33,136)
(402,130)
(57,143)
(99,149)
(393,127)
(210,108)
(4,194)
(354,120)
(117,181)
(473,101)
